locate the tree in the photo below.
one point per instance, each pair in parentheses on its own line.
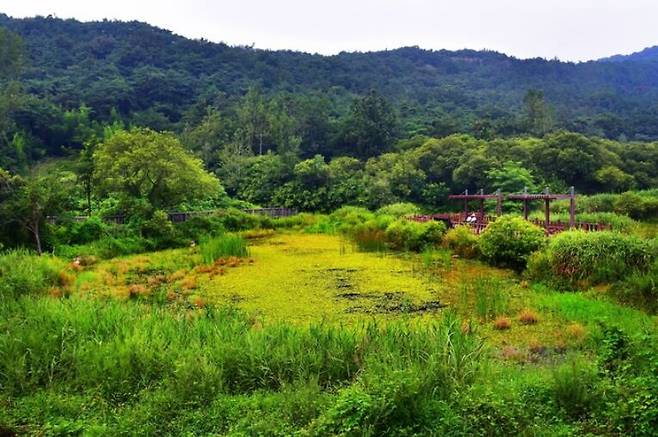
(614,179)
(252,117)
(141,164)
(371,127)
(538,119)
(207,137)
(11,54)
(28,201)
(511,178)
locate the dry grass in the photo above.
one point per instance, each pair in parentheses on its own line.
(189,283)
(502,324)
(528,317)
(575,333)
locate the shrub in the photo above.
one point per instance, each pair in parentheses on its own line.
(404,234)
(579,259)
(347,217)
(369,236)
(398,210)
(639,289)
(634,408)
(161,231)
(197,226)
(24,272)
(223,246)
(236,220)
(462,241)
(509,241)
(573,388)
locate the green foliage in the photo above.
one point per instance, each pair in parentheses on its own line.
(462,241)
(145,165)
(161,231)
(23,272)
(511,177)
(634,409)
(639,289)
(404,234)
(509,241)
(107,247)
(223,246)
(578,258)
(397,210)
(574,388)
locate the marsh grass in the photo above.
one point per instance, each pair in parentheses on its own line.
(223,246)
(491,299)
(122,348)
(485,296)
(24,272)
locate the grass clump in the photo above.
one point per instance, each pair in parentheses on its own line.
(502,323)
(528,317)
(486,295)
(24,272)
(462,241)
(223,246)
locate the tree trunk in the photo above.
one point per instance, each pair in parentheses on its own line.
(37,237)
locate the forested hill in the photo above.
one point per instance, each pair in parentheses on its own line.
(153,77)
(650,54)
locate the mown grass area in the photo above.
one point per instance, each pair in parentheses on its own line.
(304,334)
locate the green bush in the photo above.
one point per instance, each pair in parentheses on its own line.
(579,258)
(196,227)
(574,388)
(161,231)
(404,234)
(235,220)
(633,410)
(639,289)
(509,241)
(223,246)
(618,222)
(370,236)
(462,241)
(107,247)
(399,209)
(24,272)
(639,205)
(347,217)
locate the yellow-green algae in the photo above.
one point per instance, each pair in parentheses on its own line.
(301,278)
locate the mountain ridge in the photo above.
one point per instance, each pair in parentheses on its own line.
(135,67)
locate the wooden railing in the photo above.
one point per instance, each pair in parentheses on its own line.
(481,222)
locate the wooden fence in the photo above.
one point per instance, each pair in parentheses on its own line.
(482,221)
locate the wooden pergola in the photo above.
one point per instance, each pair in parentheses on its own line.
(547,197)
(481,197)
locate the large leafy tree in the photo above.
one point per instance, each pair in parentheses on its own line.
(145,165)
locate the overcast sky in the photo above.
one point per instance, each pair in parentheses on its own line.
(568,29)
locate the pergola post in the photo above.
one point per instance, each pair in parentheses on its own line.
(482,205)
(466,203)
(547,209)
(499,203)
(525,203)
(572,207)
